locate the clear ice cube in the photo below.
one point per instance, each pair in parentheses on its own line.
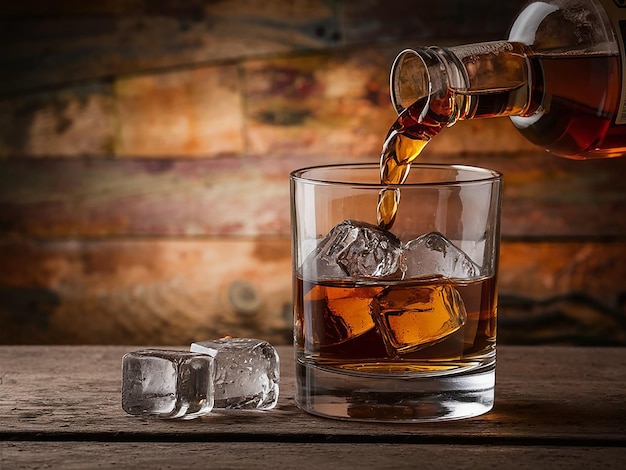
(167,384)
(433,255)
(346,313)
(246,372)
(357,250)
(410,318)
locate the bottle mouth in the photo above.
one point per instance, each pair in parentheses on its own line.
(409,79)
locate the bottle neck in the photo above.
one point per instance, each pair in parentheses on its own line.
(482,80)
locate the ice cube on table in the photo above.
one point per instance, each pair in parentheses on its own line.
(167,384)
(246,372)
(356,250)
(410,318)
(433,255)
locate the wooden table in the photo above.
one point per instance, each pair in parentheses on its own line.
(556,407)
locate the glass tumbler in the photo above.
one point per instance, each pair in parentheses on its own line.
(395,325)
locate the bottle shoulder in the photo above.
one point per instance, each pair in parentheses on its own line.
(572,27)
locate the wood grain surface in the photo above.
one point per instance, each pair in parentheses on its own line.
(141,142)
(61,41)
(543,196)
(236,455)
(164,291)
(151,290)
(546,398)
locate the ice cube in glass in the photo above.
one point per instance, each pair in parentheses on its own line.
(410,318)
(432,254)
(356,250)
(346,313)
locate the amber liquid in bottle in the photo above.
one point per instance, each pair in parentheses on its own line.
(580,103)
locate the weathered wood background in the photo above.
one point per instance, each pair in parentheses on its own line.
(145,149)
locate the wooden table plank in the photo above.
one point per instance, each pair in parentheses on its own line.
(414,24)
(76,455)
(94,42)
(163,291)
(57,197)
(544,396)
(172,291)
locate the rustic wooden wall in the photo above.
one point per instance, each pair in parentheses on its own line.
(144,157)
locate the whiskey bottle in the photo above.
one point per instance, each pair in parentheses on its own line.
(560,77)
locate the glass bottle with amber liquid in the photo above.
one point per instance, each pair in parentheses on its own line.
(560,77)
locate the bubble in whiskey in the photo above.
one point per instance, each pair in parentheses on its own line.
(413,318)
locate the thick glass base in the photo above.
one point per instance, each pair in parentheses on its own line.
(405,398)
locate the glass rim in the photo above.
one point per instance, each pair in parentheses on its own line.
(489,175)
